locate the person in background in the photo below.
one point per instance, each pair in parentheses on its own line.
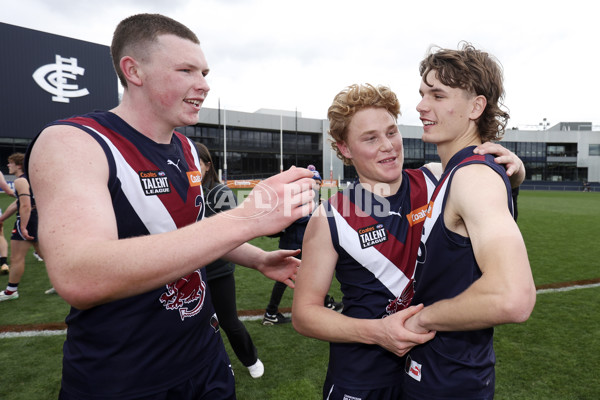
(123,236)
(24,234)
(474,272)
(220,273)
(291,239)
(515,199)
(9,211)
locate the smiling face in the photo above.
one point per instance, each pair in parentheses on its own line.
(448,114)
(374,146)
(173,78)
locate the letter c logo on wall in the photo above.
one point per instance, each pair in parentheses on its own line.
(53,78)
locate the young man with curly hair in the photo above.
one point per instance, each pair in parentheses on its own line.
(473,273)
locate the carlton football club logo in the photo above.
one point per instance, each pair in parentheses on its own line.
(57,79)
(187,290)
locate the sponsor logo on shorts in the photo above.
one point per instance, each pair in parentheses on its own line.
(154,182)
(372,235)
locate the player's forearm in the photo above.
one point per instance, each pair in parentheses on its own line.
(79,267)
(478,308)
(325,324)
(246,255)
(24,214)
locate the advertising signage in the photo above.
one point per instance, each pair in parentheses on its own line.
(45,77)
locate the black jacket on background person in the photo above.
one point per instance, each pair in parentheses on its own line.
(219,198)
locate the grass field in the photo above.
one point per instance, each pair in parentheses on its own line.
(554,355)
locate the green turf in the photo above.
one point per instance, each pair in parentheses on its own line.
(554,355)
(561,231)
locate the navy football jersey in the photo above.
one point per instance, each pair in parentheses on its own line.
(376,240)
(140,345)
(454,365)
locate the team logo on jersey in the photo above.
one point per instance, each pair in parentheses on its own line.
(186,290)
(154,182)
(402,301)
(372,235)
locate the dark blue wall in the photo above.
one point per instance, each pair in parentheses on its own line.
(25,107)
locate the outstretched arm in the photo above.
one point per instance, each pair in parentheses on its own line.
(279,265)
(5,186)
(78,231)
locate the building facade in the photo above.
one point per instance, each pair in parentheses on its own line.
(568,153)
(58,77)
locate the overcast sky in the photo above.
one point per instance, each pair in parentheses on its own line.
(297,55)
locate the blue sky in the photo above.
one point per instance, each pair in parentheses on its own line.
(298,55)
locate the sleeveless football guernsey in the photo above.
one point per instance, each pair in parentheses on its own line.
(376,240)
(454,365)
(143,344)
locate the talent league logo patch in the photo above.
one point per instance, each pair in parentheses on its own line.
(154,182)
(372,235)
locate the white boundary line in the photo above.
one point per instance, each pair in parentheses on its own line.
(6,335)
(567,288)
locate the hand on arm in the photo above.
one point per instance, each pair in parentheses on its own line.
(505,293)
(515,169)
(399,337)
(310,318)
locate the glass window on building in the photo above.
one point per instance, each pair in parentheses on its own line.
(413,149)
(431,152)
(594,150)
(559,172)
(534,171)
(512,146)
